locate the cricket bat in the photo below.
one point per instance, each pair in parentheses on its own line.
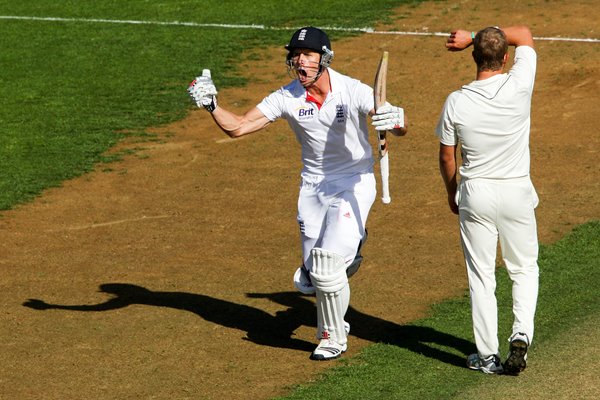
(379,92)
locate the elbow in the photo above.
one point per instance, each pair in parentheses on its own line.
(524,30)
(521,36)
(447,156)
(234,134)
(446,161)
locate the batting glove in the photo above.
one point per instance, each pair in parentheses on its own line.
(388,117)
(203,91)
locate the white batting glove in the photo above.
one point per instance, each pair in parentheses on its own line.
(203,91)
(388,117)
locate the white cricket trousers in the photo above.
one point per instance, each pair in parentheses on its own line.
(492,210)
(332,213)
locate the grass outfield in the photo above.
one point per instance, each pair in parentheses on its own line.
(71,88)
(563,368)
(426,360)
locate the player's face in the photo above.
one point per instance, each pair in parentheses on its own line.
(306,64)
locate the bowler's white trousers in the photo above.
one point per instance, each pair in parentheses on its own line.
(492,210)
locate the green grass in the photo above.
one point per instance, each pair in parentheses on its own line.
(563,368)
(71,89)
(425,360)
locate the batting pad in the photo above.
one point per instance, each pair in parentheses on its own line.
(328,275)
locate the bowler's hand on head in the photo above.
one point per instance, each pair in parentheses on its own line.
(459,40)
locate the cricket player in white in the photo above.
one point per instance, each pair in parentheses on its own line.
(328,113)
(490,119)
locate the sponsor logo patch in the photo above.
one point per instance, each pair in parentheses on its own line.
(305,113)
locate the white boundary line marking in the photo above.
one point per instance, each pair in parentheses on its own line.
(261,27)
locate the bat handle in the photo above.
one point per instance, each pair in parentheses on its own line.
(385,179)
(384,166)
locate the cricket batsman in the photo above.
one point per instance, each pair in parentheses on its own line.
(327,111)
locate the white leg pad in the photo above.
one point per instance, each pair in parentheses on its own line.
(329,278)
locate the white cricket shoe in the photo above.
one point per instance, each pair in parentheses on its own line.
(328,350)
(488,365)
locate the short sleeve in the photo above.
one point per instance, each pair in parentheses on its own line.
(272,105)
(445,129)
(367,101)
(524,67)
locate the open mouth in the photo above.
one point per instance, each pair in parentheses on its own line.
(302,73)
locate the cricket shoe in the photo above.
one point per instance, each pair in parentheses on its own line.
(488,365)
(328,350)
(517,355)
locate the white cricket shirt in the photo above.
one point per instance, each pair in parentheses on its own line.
(490,118)
(334,138)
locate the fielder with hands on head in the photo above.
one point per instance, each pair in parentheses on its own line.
(490,119)
(328,112)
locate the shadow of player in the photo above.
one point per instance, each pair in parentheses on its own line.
(276,330)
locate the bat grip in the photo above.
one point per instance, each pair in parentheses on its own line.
(384,165)
(382,143)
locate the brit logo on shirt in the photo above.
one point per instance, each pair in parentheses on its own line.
(340,116)
(305,113)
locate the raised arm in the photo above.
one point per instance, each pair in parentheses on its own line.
(518,35)
(238,125)
(204,93)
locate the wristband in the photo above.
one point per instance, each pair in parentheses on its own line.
(473,36)
(210,107)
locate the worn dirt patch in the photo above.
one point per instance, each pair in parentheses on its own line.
(169,276)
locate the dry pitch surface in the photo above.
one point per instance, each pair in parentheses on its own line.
(170,276)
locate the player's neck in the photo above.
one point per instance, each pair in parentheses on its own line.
(322,86)
(482,75)
(488,73)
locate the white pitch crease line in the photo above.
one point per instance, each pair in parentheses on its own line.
(131,22)
(116,222)
(263,27)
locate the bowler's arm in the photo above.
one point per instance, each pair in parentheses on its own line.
(447,161)
(518,35)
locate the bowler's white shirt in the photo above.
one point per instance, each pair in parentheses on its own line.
(490,118)
(334,139)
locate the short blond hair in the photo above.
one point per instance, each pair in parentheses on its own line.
(489,47)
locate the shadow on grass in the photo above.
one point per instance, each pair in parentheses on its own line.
(278,330)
